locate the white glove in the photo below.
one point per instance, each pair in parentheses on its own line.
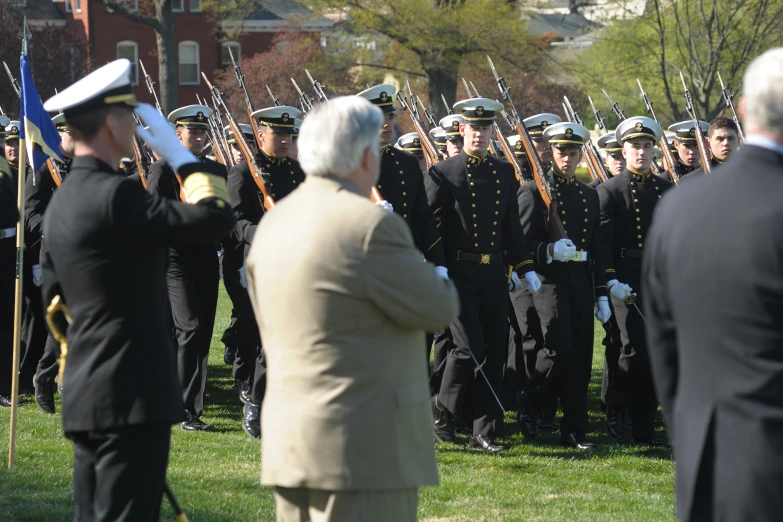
(533,282)
(602,312)
(563,251)
(385,204)
(37,278)
(161,137)
(619,291)
(516,283)
(242,279)
(443,272)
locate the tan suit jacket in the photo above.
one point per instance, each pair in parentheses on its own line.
(342,299)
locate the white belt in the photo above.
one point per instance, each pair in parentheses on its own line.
(7,232)
(579,256)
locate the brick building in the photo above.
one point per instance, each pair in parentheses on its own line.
(107,36)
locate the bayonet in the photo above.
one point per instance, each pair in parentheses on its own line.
(598,118)
(727,97)
(151,87)
(304,99)
(448,108)
(14,81)
(318,88)
(615,107)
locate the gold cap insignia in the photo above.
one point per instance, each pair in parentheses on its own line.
(639,126)
(518,145)
(14,130)
(479,111)
(384,96)
(544,124)
(200,116)
(693,132)
(416,142)
(569,133)
(455,125)
(285,117)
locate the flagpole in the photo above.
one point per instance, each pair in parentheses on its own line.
(19,277)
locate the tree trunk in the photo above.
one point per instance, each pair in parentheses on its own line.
(165,37)
(442,82)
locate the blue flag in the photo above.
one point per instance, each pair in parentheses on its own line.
(42,138)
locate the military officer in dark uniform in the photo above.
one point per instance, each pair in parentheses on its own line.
(687,148)
(723,141)
(411,144)
(627,205)
(275,126)
(38,194)
(614,161)
(573,285)
(438,136)
(9,217)
(473,198)
(193,272)
(105,257)
(454,140)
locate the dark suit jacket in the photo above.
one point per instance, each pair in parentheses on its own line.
(106,250)
(713,289)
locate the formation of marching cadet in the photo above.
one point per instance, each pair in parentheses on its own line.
(534,252)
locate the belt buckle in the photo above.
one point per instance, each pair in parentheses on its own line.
(485,259)
(577,256)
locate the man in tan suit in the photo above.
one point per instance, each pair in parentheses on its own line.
(342,299)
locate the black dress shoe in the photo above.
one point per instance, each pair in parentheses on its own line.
(444,426)
(44,396)
(251,422)
(229,355)
(546,421)
(656,442)
(193,423)
(480,442)
(615,424)
(243,389)
(5,402)
(575,441)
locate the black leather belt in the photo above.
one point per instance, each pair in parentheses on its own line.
(481,259)
(626,252)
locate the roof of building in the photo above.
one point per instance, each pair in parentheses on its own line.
(42,10)
(276,13)
(566,26)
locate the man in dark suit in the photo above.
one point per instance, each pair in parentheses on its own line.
(715,329)
(9,216)
(105,257)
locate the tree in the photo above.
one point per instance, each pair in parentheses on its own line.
(701,39)
(156,14)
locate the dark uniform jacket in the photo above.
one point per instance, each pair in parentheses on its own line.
(284,176)
(106,248)
(578,208)
(9,217)
(401,183)
(714,301)
(714,163)
(474,201)
(38,193)
(627,203)
(683,169)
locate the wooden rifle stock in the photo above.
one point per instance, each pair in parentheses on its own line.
(704,155)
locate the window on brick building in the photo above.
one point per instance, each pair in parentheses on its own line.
(195,6)
(225,57)
(188,63)
(67,6)
(130,51)
(177,6)
(77,6)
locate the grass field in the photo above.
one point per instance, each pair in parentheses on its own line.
(215,475)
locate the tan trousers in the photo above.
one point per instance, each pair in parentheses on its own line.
(315,505)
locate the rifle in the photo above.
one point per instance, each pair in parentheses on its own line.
(318,88)
(594,163)
(700,141)
(448,109)
(727,97)
(248,102)
(274,100)
(664,143)
(304,99)
(428,147)
(260,177)
(598,118)
(220,131)
(151,87)
(519,171)
(554,225)
(14,81)
(427,114)
(219,144)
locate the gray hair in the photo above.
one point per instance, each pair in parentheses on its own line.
(335,135)
(763,91)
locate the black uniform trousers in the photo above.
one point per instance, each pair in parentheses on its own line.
(119,474)
(193,293)
(34,329)
(482,327)
(49,364)
(7,289)
(242,332)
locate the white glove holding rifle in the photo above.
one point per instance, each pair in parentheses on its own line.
(162,138)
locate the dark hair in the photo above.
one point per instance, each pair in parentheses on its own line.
(86,126)
(722,122)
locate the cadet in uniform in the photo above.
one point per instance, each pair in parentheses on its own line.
(38,196)
(723,141)
(473,198)
(193,272)
(411,144)
(571,273)
(105,256)
(614,161)
(438,136)
(627,205)
(687,148)
(454,141)
(275,126)
(9,217)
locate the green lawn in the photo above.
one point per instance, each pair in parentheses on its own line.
(215,475)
